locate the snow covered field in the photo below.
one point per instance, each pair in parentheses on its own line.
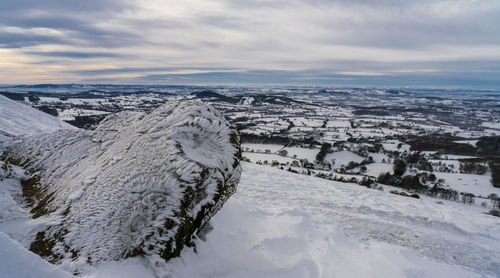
(256,152)
(70,114)
(492,125)
(261,147)
(343,158)
(269,157)
(478,185)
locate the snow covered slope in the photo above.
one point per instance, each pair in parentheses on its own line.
(281,224)
(19,119)
(140,184)
(16,261)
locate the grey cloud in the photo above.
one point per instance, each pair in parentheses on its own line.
(448,74)
(322,79)
(64,5)
(9,40)
(75,54)
(76,18)
(222,21)
(81,35)
(245,35)
(147,69)
(42,21)
(391,23)
(257,4)
(425,33)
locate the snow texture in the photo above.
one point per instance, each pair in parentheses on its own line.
(140,184)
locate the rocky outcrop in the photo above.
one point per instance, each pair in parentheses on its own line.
(140,184)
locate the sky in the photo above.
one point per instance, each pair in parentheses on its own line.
(381,43)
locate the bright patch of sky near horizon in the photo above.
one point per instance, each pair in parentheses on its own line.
(360,42)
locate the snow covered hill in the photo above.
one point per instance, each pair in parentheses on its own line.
(19,119)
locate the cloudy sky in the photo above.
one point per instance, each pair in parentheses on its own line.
(454,43)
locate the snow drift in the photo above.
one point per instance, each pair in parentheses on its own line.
(140,184)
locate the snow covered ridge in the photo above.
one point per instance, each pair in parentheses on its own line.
(140,184)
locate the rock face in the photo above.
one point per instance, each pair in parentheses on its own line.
(140,184)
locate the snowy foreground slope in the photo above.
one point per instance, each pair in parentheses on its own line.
(280,224)
(16,261)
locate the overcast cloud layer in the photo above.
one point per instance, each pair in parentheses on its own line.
(346,42)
